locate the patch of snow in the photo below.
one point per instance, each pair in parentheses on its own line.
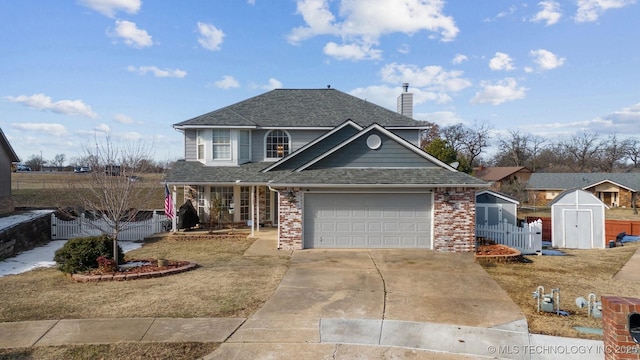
(42,256)
(15,219)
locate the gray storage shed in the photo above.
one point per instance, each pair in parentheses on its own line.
(493,208)
(577,219)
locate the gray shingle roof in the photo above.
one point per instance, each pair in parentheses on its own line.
(564,181)
(191,172)
(301,108)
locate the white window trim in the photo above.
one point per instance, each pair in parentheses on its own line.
(201,140)
(229,144)
(264,148)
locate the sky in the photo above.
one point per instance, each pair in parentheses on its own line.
(75,71)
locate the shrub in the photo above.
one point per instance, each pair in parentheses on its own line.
(81,254)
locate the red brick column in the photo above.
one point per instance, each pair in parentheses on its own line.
(618,343)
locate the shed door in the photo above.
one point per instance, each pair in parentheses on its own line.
(578,231)
(367,220)
(488,214)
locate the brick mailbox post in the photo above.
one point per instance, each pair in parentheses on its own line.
(621,327)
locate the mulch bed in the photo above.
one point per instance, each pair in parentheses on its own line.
(145,271)
(496,253)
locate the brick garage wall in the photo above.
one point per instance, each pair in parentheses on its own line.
(290,220)
(6,205)
(454,220)
(618,343)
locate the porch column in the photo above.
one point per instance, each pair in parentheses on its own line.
(174,221)
(257,207)
(252,205)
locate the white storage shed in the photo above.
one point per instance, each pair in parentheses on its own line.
(577,219)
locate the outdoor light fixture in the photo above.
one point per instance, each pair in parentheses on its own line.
(446,197)
(291,196)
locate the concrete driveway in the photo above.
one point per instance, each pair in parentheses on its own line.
(379,297)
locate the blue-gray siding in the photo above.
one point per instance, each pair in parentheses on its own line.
(390,154)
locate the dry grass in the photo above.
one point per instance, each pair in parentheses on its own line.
(169,351)
(51,190)
(226,285)
(578,274)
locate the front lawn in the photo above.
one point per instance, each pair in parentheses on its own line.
(579,273)
(227,284)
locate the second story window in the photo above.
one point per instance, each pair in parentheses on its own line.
(200,148)
(277,144)
(221,144)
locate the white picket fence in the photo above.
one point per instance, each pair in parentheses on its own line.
(132,231)
(527,239)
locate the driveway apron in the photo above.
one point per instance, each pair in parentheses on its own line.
(327,292)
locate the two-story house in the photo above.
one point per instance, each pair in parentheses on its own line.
(328,169)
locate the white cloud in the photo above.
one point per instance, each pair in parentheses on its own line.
(512,9)
(251,2)
(363,22)
(129,33)
(546,60)
(123,119)
(501,61)
(386,96)
(132,135)
(56,130)
(227,82)
(500,92)
(459,59)
(210,36)
(624,121)
(110,7)
(66,107)
(590,10)
(352,51)
(103,128)
(157,72)
(550,13)
(273,84)
(441,118)
(404,49)
(433,78)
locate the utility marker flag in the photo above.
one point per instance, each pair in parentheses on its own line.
(168,202)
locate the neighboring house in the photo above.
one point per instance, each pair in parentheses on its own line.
(329,170)
(7,158)
(501,177)
(613,189)
(493,208)
(578,220)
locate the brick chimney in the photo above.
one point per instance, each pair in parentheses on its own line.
(405,101)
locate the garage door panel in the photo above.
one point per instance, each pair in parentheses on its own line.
(367,220)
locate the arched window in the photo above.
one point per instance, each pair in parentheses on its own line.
(277,144)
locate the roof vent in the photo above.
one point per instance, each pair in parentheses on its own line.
(405,101)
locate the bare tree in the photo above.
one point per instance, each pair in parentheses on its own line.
(582,151)
(514,149)
(475,141)
(115,196)
(468,142)
(633,152)
(58,160)
(613,153)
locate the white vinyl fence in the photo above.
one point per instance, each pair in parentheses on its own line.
(527,239)
(132,231)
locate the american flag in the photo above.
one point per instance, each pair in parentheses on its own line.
(168,202)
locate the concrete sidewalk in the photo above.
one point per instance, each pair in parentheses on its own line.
(631,269)
(106,331)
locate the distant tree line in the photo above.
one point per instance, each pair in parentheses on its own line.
(581,152)
(37,163)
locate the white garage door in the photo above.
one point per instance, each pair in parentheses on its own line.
(367,220)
